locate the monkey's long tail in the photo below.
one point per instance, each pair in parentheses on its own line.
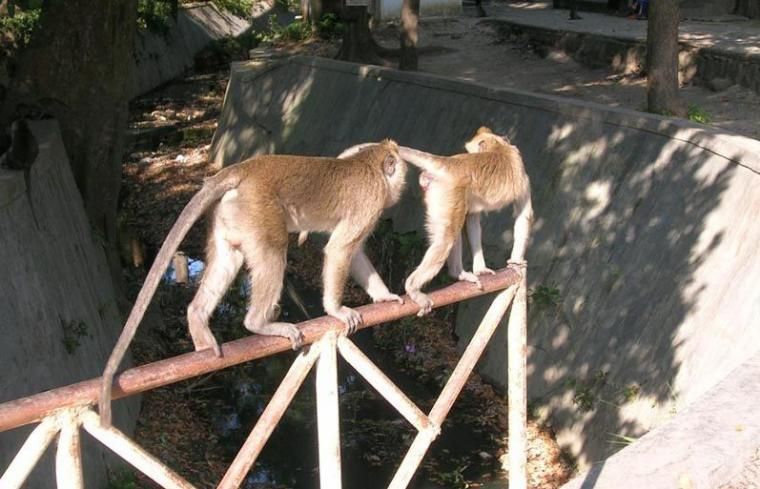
(429,162)
(213,190)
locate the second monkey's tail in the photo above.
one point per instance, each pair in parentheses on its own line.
(212,191)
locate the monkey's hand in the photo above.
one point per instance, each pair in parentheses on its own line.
(422,300)
(388,297)
(482,270)
(471,277)
(352,318)
(518,265)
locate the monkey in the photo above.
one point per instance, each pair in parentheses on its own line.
(21,154)
(458,189)
(254,205)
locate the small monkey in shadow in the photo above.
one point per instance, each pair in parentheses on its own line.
(21,153)
(255,205)
(457,189)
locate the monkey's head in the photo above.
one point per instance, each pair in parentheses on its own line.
(484,141)
(394,169)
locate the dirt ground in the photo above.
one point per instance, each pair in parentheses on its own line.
(466,47)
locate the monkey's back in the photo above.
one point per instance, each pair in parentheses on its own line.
(314,190)
(495,178)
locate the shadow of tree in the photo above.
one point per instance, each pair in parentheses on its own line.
(632,221)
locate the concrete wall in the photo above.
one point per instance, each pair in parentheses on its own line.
(56,281)
(160,58)
(714,441)
(645,251)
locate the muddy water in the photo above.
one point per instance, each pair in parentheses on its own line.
(374,436)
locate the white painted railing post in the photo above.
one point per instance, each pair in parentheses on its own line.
(68,457)
(133,453)
(453,387)
(328,416)
(268,420)
(31,451)
(517,389)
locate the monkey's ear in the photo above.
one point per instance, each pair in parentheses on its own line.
(389,164)
(482,146)
(484,130)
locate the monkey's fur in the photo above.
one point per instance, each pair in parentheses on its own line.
(255,204)
(20,155)
(457,189)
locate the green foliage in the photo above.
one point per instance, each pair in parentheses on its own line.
(453,475)
(73,331)
(155,15)
(545,296)
(587,393)
(620,440)
(698,114)
(328,27)
(17,31)
(122,479)
(240,8)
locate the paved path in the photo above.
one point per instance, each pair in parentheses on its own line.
(735,37)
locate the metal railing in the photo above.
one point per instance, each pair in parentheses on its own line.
(63,411)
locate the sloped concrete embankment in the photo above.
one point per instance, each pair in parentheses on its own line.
(58,314)
(163,57)
(644,260)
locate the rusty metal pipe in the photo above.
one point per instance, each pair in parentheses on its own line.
(27,410)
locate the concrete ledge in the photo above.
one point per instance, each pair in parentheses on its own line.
(626,53)
(701,448)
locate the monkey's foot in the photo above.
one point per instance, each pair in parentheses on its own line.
(204,339)
(422,300)
(286,330)
(388,298)
(471,277)
(483,271)
(518,265)
(352,318)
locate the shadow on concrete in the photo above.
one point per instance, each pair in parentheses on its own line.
(631,223)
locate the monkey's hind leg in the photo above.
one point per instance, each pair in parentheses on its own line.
(223,262)
(455,267)
(267,271)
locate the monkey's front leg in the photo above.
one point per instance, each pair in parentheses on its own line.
(476,245)
(338,255)
(367,277)
(523,222)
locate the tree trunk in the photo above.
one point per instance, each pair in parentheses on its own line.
(662,59)
(747,8)
(78,70)
(410,14)
(358,45)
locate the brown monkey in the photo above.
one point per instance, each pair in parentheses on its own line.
(256,203)
(457,189)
